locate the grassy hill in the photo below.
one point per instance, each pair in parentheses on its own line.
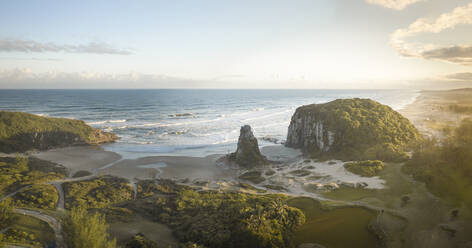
(20,132)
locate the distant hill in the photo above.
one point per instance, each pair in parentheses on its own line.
(20,132)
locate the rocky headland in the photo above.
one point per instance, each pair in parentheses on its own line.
(21,132)
(351,129)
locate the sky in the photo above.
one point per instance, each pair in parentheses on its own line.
(325,44)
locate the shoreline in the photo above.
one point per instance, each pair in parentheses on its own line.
(205,173)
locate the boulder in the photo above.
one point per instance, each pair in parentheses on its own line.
(248,154)
(351,129)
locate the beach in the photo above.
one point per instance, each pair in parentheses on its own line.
(427,110)
(289,173)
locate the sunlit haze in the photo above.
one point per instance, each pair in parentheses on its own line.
(371,44)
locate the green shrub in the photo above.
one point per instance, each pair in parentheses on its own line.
(97,193)
(141,241)
(19,172)
(368,168)
(84,230)
(6,211)
(215,219)
(43,196)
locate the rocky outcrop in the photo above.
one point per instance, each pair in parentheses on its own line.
(20,132)
(308,131)
(248,153)
(351,129)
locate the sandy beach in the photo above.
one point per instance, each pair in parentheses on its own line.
(76,158)
(430,112)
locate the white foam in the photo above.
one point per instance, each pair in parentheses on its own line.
(106,121)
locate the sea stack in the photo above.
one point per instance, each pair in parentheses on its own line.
(351,129)
(248,153)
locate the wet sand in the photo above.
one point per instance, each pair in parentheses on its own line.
(89,158)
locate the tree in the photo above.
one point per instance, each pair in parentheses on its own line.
(84,230)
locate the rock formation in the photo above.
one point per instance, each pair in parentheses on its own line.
(20,132)
(248,153)
(351,129)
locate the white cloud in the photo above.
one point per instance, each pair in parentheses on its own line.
(459,54)
(460,76)
(394,4)
(27,46)
(26,78)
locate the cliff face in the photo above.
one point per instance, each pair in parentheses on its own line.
(248,153)
(306,131)
(351,129)
(20,132)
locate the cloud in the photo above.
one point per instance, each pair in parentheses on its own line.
(33,58)
(25,78)
(228,77)
(28,46)
(461,76)
(455,54)
(394,4)
(458,54)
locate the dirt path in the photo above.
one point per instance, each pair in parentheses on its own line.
(13,193)
(53,222)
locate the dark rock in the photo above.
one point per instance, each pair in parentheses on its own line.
(248,153)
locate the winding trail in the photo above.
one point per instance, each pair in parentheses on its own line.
(53,222)
(13,193)
(60,190)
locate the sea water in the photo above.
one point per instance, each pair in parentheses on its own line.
(184,122)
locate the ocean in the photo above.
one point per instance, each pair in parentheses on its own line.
(184,122)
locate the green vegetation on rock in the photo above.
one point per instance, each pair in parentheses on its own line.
(97,193)
(446,166)
(368,168)
(20,132)
(352,129)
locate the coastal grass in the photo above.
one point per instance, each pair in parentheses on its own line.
(40,196)
(338,227)
(100,192)
(19,172)
(41,232)
(397,185)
